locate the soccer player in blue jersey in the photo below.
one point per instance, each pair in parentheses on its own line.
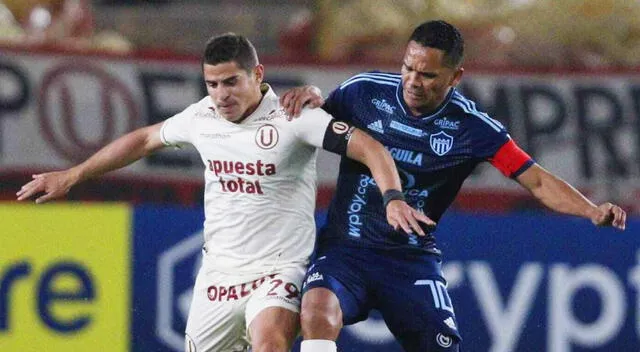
(437,136)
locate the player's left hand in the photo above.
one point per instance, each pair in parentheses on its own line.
(294,99)
(401,215)
(609,214)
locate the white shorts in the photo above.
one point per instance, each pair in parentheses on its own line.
(221,313)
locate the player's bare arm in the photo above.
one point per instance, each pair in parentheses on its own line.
(559,196)
(294,99)
(368,151)
(119,153)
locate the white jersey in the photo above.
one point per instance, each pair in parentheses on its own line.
(260,182)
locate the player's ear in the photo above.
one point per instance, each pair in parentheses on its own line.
(457,76)
(258,72)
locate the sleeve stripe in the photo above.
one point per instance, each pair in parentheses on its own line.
(376,76)
(523,168)
(373,76)
(471,105)
(348,83)
(489,121)
(382,76)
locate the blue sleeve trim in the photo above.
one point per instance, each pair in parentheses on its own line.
(523,168)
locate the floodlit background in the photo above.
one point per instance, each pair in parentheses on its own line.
(563,76)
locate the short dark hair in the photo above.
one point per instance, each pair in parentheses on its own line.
(230,47)
(444,36)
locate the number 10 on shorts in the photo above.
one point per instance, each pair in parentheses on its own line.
(439,293)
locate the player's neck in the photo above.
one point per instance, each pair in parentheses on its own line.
(419,112)
(252,108)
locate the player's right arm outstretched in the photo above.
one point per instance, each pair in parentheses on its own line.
(561,197)
(117,154)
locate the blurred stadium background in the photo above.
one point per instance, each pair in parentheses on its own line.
(111,268)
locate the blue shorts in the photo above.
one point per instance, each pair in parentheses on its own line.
(408,290)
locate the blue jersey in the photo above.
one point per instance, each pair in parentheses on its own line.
(434,154)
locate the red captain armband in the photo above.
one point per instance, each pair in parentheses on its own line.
(511,160)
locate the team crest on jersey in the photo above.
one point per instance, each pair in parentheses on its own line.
(440,143)
(267,136)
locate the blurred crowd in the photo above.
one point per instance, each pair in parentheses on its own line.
(532,33)
(67,24)
(525,33)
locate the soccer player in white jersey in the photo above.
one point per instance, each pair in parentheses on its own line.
(259,197)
